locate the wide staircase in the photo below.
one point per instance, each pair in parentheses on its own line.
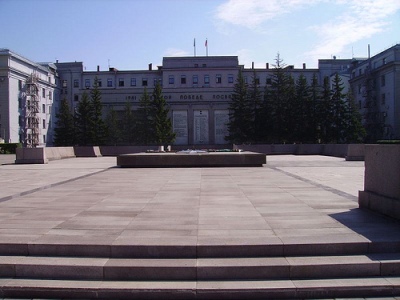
(291,271)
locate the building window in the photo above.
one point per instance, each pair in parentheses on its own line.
(121,82)
(196,65)
(269,81)
(257,80)
(171,79)
(44,139)
(359,88)
(99,83)
(206,79)
(44,123)
(64,83)
(155,80)
(218,78)
(204,65)
(384,61)
(359,72)
(195,79)
(44,108)
(230,78)
(20,103)
(383,80)
(50,95)
(144,81)
(245,79)
(383,99)
(87,83)
(133,81)
(76,98)
(76,83)
(109,82)
(43,93)
(19,85)
(183,79)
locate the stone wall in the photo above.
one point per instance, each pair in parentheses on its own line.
(382,180)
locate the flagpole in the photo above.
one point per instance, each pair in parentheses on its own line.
(194,46)
(206,47)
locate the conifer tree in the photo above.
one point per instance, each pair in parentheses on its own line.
(83,119)
(304,131)
(145,120)
(355,132)
(254,110)
(97,125)
(241,119)
(65,129)
(163,133)
(113,128)
(338,100)
(128,125)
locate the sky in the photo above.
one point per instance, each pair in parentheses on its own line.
(130,34)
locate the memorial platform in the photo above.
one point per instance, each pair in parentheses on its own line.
(191,158)
(82,228)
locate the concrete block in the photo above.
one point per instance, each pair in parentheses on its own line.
(31,156)
(207,159)
(355,152)
(87,151)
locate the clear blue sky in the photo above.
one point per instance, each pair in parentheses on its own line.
(133,33)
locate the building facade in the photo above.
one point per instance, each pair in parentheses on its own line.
(375,84)
(27,94)
(198,91)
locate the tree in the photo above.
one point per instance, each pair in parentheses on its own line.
(254,110)
(113,128)
(325,117)
(97,125)
(280,97)
(338,100)
(145,120)
(163,133)
(302,112)
(83,119)
(128,125)
(355,132)
(65,129)
(240,114)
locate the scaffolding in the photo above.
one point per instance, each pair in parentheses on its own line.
(31,128)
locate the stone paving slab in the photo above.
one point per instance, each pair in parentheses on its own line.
(293,200)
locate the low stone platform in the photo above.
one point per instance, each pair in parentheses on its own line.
(191,159)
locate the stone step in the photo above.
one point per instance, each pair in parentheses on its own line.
(255,249)
(261,268)
(262,289)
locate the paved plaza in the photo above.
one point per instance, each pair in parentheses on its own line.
(307,199)
(291,207)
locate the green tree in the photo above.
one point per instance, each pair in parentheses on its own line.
(302,112)
(163,133)
(280,96)
(254,110)
(113,126)
(241,119)
(65,129)
(338,100)
(128,125)
(355,132)
(325,117)
(145,120)
(83,117)
(97,125)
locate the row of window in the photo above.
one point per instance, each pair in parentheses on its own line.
(145,81)
(195,79)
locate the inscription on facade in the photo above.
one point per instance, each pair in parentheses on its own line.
(180,126)
(201,126)
(221,125)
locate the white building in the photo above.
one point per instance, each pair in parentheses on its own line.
(26,99)
(198,91)
(375,84)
